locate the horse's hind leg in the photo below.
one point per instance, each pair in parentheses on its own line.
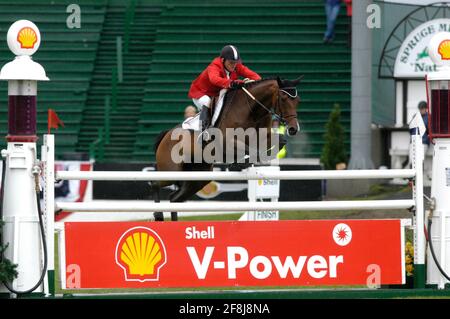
(175,198)
(159,216)
(186,190)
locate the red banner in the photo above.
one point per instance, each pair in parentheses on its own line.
(225,254)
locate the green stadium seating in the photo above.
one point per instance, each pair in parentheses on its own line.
(68,56)
(123,120)
(170,43)
(282,38)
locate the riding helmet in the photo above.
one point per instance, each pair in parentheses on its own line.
(230,52)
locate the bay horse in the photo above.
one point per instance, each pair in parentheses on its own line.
(253,106)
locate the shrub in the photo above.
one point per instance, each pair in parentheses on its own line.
(409,259)
(7,269)
(333,151)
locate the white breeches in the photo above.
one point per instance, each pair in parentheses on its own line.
(204,100)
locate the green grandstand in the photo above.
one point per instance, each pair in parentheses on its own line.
(165,44)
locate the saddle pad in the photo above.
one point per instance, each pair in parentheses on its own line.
(193,123)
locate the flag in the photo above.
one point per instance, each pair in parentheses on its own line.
(53,120)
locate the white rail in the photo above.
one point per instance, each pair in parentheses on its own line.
(233,176)
(234,206)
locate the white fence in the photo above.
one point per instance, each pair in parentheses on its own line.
(416,202)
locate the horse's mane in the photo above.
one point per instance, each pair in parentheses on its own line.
(230,94)
(253,83)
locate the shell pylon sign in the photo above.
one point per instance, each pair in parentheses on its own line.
(23,38)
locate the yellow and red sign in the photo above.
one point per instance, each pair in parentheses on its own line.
(27,38)
(444,50)
(229,254)
(23,38)
(140,253)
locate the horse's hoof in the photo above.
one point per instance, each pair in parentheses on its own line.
(159,216)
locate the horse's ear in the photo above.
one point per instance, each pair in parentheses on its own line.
(297,80)
(280,82)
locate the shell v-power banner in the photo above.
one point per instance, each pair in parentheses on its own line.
(230,254)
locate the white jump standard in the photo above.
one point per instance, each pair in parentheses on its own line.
(438,95)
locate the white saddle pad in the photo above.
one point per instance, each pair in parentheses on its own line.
(193,123)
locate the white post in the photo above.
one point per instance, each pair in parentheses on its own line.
(48,158)
(439,235)
(417,156)
(261,189)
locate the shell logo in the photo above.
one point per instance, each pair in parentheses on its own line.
(444,49)
(27,38)
(141,254)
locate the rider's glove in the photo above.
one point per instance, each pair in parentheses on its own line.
(236,84)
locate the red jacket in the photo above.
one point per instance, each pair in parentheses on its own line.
(214,78)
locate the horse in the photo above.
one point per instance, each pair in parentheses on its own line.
(252,106)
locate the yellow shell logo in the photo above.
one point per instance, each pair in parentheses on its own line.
(140,252)
(444,50)
(27,38)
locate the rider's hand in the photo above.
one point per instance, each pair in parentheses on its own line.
(236,84)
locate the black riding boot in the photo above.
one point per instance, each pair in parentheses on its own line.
(205,118)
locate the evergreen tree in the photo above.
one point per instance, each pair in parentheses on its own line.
(333,151)
(7,269)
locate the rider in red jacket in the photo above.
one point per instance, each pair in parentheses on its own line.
(223,73)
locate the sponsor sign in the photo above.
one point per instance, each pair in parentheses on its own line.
(413,60)
(229,254)
(263,189)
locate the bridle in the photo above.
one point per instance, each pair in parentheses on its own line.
(279,117)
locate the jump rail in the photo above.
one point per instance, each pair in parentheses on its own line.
(233,176)
(235,206)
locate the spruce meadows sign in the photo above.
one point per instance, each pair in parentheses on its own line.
(412,58)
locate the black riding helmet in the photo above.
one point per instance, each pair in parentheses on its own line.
(230,52)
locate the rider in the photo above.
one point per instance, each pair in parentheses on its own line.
(222,73)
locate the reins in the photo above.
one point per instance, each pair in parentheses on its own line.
(278,117)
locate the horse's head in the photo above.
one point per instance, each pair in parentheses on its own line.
(288,101)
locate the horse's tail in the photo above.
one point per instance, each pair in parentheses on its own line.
(159,139)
